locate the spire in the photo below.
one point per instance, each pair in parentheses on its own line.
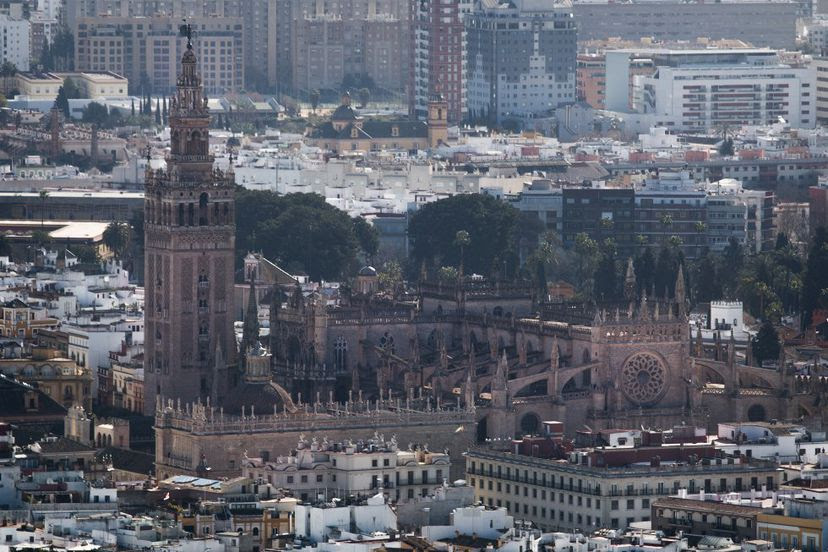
(555,360)
(680,294)
(250,330)
(501,377)
(629,281)
(468,388)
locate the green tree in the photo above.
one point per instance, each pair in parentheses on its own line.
(87,254)
(447,274)
(606,274)
(367,237)
(588,255)
(44,195)
(490,223)
(300,231)
(726,147)
(116,237)
(766,345)
(73,92)
(62,101)
(815,282)
(645,270)
(705,275)
(96,114)
(41,238)
(314,99)
(390,276)
(364,97)
(7,71)
(461,240)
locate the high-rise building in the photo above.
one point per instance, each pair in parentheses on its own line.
(336,42)
(14,46)
(258,26)
(190,346)
(520,59)
(770,23)
(438,56)
(140,48)
(706,89)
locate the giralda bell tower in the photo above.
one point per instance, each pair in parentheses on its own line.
(189,225)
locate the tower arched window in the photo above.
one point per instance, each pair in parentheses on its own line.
(340,354)
(181,214)
(190,215)
(203,211)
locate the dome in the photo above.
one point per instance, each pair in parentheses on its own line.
(263,398)
(367,271)
(344,113)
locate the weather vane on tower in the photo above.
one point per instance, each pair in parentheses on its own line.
(187,30)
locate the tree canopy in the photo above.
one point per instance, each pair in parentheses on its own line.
(491,226)
(302,233)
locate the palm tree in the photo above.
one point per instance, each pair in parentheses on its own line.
(7,70)
(461,240)
(43,195)
(116,237)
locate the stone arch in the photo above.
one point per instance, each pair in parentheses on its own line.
(711,374)
(99,440)
(530,424)
(756,413)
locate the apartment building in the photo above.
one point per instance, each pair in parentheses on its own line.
(352,468)
(15,41)
(146,51)
(705,90)
(768,23)
(520,59)
(19,320)
(438,56)
(258,19)
(608,486)
(330,47)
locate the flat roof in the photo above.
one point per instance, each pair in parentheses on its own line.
(77,194)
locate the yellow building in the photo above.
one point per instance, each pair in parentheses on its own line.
(790,532)
(38,85)
(346,131)
(60,378)
(19,320)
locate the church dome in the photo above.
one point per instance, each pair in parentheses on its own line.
(344,113)
(261,397)
(367,271)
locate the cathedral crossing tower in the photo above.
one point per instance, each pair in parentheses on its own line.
(190,349)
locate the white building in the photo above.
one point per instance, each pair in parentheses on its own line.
(703,90)
(787,443)
(319,523)
(14,41)
(326,469)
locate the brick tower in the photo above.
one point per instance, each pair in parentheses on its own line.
(190,348)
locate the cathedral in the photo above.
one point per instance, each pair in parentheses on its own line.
(456,363)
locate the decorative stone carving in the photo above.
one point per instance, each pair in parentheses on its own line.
(644,379)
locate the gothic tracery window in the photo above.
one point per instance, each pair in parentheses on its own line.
(340,354)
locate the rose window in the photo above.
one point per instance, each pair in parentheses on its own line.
(643,378)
